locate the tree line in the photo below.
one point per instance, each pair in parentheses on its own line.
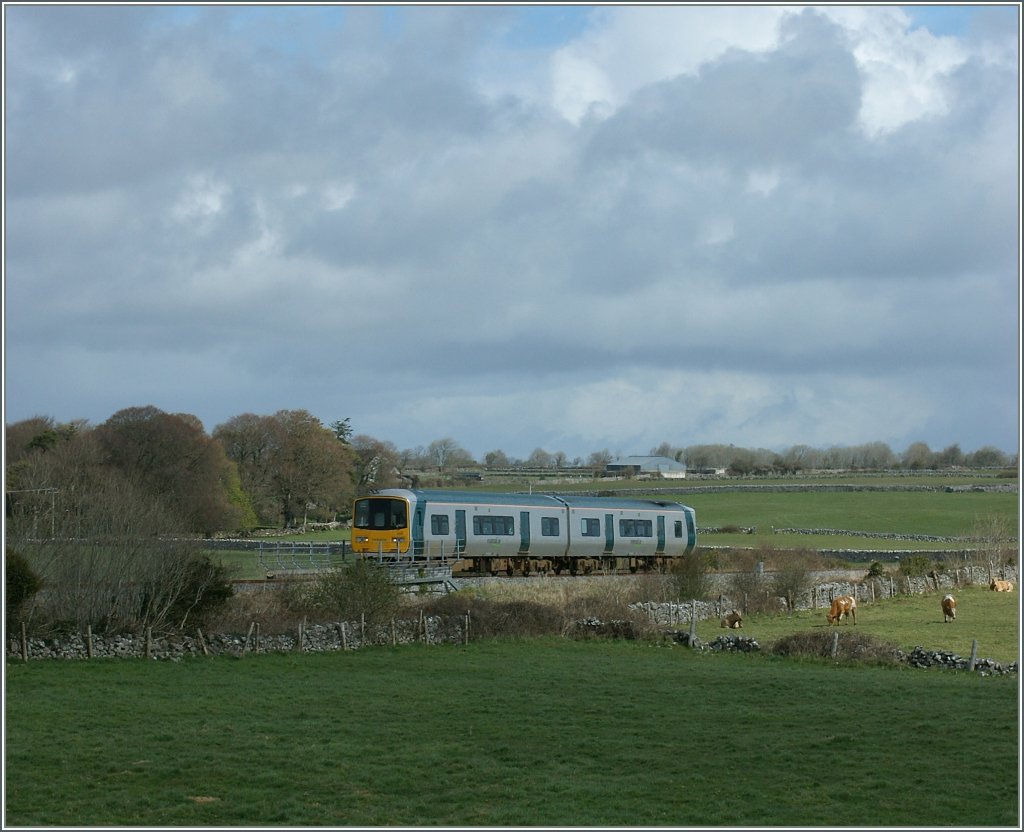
(158,472)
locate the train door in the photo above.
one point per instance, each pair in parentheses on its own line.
(524,532)
(609,534)
(691,531)
(661,535)
(460,531)
(417,529)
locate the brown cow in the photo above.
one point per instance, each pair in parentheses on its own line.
(948,609)
(841,607)
(733,620)
(1001,586)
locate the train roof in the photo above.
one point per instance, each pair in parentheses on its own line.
(532,500)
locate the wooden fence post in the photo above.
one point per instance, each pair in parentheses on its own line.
(149,642)
(344,637)
(202,642)
(88,641)
(974,654)
(24,643)
(835,643)
(257,637)
(466,630)
(248,637)
(423,627)
(362,628)
(394,635)
(693,622)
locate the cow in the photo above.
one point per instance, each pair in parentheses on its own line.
(841,607)
(948,609)
(733,620)
(1001,586)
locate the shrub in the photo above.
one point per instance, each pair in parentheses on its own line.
(205,589)
(691,576)
(21,583)
(354,590)
(876,570)
(488,618)
(851,647)
(915,566)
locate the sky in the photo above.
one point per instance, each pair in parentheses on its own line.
(575,228)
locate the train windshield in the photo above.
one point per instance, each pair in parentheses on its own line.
(381,513)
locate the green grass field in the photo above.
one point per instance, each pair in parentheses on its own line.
(507,733)
(907,621)
(939,514)
(543,732)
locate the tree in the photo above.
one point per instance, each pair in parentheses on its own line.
(446,452)
(109,557)
(918,455)
(987,457)
(496,459)
(171,455)
(308,468)
(249,441)
(375,463)
(949,457)
(598,461)
(343,430)
(539,459)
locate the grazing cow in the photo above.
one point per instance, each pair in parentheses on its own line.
(841,607)
(733,620)
(1001,586)
(948,609)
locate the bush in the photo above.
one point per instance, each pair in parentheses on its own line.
(488,619)
(915,566)
(851,647)
(691,576)
(876,570)
(21,583)
(205,589)
(356,589)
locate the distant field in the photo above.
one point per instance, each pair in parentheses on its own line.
(507,733)
(938,514)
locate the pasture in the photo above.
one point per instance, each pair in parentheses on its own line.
(498,733)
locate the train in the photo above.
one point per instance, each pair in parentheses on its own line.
(489,533)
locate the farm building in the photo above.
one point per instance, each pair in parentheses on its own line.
(650,466)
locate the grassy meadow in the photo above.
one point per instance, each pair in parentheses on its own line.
(508,733)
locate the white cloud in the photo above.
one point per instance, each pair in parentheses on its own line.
(724,224)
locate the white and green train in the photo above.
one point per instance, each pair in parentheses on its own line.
(523,532)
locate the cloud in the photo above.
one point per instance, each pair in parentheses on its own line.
(685,224)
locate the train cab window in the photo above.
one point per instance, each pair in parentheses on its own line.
(380,513)
(439,524)
(549,526)
(636,528)
(488,525)
(590,527)
(679,528)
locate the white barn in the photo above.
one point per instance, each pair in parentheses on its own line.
(661,466)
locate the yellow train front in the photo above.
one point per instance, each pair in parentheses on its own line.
(522,533)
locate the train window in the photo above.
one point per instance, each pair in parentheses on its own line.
(487,525)
(549,526)
(380,513)
(679,528)
(439,524)
(590,527)
(636,528)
